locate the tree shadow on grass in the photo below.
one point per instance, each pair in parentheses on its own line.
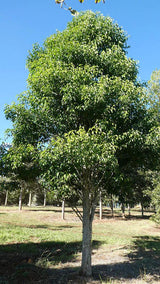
(143,262)
(45,263)
(57,210)
(107,214)
(32,262)
(48,227)
(137,217)
(146,250)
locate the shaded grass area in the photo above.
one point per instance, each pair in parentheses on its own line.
(43,263)
(36,246)
(25,263)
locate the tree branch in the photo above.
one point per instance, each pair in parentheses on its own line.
(78,213)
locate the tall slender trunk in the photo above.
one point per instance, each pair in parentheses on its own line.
(63,209)
(123,210)
(142,208)
(30,198)
(45,198)
(20,199)
(100,207)
(129,210)
(6,198)
(111,205)
(86,269)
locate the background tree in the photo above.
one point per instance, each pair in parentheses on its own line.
(154,85)
(154,95)
(3,152)
(85,103)
(8,189)
(5,181)
(24,167)
(156,199)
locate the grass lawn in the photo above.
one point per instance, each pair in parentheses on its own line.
(36,246)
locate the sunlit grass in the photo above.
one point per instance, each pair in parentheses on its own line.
(120,232)
(35,226)
(40,224)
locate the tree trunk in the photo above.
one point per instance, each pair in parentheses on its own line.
(86,269)
(63,209)
(30,199)
(123,210)
(34,199)
(100,207)
(45,198)
(20,200)
(6,198)
(142,209)
(129,210)
(111,205)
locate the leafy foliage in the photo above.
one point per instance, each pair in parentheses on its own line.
(3,152)
(85,101)
(156,203)
(24,162)
(154,95)
(80,160)
(82,80)
(71,78)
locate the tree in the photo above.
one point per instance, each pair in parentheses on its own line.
(7,182)
(156,200)
(84,102)
(3,152)
(153,90)
(3,179)
(24,167)
(154,95)
(154,85)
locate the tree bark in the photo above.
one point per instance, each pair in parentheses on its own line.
(129,210)
(20,200)
(111,205)
(63,209)
(6,198)
(45,198)
(100,207)
(86,269)
(30,199)
(142,208)
(123,210)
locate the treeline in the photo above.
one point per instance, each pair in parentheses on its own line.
(145,195)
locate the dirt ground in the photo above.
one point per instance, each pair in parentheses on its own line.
(113,264)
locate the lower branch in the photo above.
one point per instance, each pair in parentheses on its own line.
(78,213)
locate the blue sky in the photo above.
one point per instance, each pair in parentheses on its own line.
(23,23)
